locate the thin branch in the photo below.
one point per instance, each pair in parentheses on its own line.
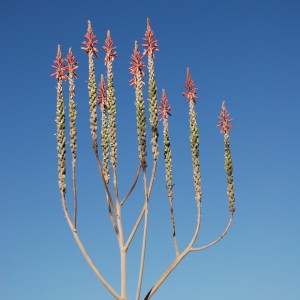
(84,252)
(138,293)
(218,239)
(143,209)
(178,259)
(133,186)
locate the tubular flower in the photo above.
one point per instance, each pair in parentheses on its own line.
(191,90)
(90,41)
(102,93)
(194,134)
(60,121)
(72,64)
(102,101)
(151,42)
(225,128)
(59,66)
(137,72)
(224,120)
(109,49)
(137,66)
(150,47)
(164,109)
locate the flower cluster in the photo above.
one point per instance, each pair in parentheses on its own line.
(59,66)
(102,93)
(151,42)
(191,90)
(164,109)
(137,65)
(109,49)
(224,120)
(72,64)
(90,41)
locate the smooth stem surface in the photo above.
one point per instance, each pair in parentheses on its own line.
(143,209)
(84,252)
(138,293)
(133,185)
(218,239)
(178,259)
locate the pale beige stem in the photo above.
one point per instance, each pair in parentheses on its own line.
(84,252)
(143,209)
(219,238)
(178,259)
(142,264)
(133,185)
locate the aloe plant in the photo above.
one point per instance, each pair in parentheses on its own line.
(104,99)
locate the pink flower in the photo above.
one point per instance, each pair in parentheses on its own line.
(151,42)
(90,41)
(137,65)
(189,85)
(109,49)
(102,93)
(224,120)
(59,66)
(72,64)
(165,106)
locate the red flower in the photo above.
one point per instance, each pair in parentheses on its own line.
(165,106)
(90,41)
(189,85)
(137,65)
(102,93)
(109,48)
(59,66)
(224,120)
(72,64)
(151,42)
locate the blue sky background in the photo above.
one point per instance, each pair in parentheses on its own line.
(244,52)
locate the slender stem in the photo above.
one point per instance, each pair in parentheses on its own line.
(138,293)
(218,239)
(133,186)
(143,209)
(178,259)
(84,252)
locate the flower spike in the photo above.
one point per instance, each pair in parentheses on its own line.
(191,89)
(102,93)
(72,64)
(151,42)
(164,109)
(59,66)
(109,49)
(137,65)
(224,120)
(90,41)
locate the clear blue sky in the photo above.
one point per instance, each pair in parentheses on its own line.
(244,52)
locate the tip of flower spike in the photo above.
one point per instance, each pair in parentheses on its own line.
(90,41)
(191,89)
(102,93)
(109,49)
(72,64)
(59,66)
(164,108)
(136,65)
(151,43)
(224,122)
